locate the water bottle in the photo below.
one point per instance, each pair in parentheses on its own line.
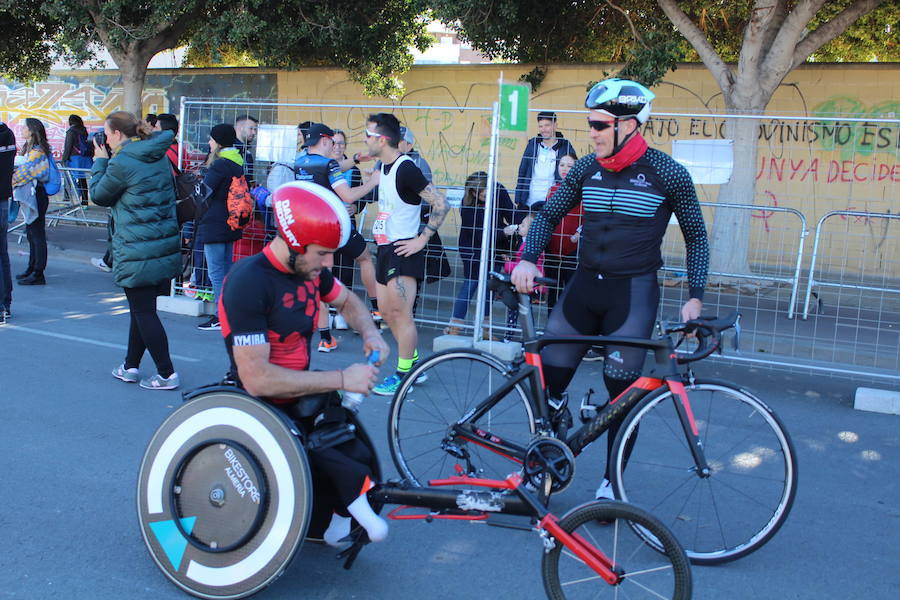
(352,400)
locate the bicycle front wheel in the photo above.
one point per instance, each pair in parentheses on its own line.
(456,381)
(752,482)
(657,570)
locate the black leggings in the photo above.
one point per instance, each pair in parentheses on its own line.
(590,306)
(342,472)
(146,331)
(36,232)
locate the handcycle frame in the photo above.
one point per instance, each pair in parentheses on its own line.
(528,367)
(509,496)
(523,504)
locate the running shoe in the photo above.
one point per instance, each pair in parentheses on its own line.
(605,491)
(328,346)
(158,382)
(389,386)
(211,325)
(101,264)
(126,375)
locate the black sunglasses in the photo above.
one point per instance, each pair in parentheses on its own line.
(600,125)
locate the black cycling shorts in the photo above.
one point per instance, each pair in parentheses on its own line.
(388,264)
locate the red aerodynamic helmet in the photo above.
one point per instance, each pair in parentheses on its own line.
(307,213)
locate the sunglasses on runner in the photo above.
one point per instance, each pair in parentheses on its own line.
(600,125)
(374,134)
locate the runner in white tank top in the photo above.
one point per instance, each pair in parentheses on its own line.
(400,263)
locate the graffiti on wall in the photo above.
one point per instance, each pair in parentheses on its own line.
(94,95)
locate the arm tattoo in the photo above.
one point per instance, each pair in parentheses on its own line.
(438,203)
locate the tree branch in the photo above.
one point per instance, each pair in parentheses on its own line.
(762,27)
(832,29)
(698,40)
(792,48)
(775,23)
(634,31)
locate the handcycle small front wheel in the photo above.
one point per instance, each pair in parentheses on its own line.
(748,492)
(436,395)
(620,533)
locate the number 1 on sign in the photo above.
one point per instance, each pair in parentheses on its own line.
(514,106)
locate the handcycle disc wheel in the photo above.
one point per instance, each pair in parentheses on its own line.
(753,470)
(224,495)
(658,570)
(422,445)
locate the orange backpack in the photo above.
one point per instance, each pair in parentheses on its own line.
(240,203)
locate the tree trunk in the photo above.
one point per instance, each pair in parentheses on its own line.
(132,65)
(134,72)
(730,240)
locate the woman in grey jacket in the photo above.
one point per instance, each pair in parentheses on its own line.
(137,184)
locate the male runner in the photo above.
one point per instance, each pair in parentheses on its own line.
(400,263)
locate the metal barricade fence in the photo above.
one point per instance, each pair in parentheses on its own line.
(454,137)
(861,304)
(456,142)
(67,206)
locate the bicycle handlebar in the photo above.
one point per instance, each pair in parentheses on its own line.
(501,284)
(706,330)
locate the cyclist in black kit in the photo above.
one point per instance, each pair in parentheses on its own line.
(628,192)
(268,310)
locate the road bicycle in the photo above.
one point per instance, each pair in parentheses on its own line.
(226,497)
(712,460)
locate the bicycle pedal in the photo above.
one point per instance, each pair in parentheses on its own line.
(589,410)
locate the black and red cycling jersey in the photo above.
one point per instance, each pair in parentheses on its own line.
(264,303)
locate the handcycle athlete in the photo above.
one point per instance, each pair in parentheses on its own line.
(269,310)
(629,192)
(224,487)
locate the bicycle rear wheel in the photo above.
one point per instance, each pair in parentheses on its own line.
(611,527)
(422,444)
(753,470)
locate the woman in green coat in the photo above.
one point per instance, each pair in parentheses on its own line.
(137,185)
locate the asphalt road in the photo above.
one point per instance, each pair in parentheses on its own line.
(71,439)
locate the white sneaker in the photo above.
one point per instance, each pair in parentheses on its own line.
(340,322)
(605,491)
(98,262)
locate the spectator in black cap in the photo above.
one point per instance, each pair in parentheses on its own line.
(225,163)
(407,141)
(538,168)
(319,166)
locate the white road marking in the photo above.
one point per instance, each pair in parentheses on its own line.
(83,340)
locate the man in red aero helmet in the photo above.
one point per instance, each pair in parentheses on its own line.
(269,308)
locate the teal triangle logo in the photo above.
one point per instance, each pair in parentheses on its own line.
(173,543)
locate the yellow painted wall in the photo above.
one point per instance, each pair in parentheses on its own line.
(801,163)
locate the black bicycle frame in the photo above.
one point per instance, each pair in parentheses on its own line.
(665,371)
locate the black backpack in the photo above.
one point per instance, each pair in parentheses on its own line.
(191,196)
